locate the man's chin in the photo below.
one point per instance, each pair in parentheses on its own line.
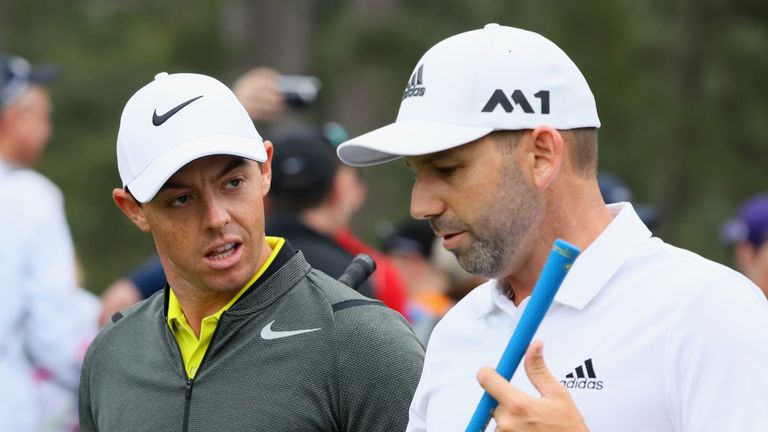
(229,283)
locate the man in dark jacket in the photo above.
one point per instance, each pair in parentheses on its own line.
(246,336)
(304,205)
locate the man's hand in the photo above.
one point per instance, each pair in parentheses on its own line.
(517,411)
(259,92)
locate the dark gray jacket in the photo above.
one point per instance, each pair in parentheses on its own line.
(357,372)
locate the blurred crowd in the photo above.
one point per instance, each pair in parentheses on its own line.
(48,319)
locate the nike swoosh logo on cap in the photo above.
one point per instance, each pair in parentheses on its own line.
(268,334)
(157,120)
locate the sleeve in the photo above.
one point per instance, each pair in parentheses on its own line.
(85,409)
(439,348)
(380,362)
(715,361)
(417,412)
(61,317)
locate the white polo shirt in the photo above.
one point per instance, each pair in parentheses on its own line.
(646,336)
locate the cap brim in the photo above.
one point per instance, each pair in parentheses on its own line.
(407,138)
(145,185)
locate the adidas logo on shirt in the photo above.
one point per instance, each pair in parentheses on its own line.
(415,85)
(583,377)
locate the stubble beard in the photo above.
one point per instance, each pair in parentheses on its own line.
(499,233)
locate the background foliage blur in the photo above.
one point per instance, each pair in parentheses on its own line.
(680,87)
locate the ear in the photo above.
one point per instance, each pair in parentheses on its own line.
(130,208)
(547,151)
(266,169)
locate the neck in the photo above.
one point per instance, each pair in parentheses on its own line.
(200,302)
(576,214)
(197,305)
(323,219)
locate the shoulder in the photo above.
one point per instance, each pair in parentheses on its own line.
(336,292)
(32,193)
(130,323)
(30,181)
(693,298)
(680,273)
(364,323)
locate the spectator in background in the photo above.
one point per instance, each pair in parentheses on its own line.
(388,283)
(306,204)
(614,190)
(314,197)
(259,91)
(46,319)
(140,284)
(460,281)
(410,248)
(746,233)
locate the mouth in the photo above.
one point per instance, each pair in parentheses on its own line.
(224,256)
(451,240)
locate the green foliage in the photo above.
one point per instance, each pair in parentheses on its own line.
(680,89)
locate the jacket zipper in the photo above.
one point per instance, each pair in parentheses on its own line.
(191,381)
(187,403)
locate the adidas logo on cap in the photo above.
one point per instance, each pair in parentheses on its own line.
(480,81)
(415,85)
(581,380)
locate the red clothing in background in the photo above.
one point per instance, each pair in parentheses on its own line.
(388,285)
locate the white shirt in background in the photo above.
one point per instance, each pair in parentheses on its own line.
(46,319)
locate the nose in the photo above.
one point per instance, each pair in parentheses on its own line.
(216,214)
(425,202)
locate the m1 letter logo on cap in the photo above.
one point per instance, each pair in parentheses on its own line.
(415,85)
(517,98)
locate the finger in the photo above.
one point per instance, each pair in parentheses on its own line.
(538,373)
(501,389)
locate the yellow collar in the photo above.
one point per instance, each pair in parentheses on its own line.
(175,313)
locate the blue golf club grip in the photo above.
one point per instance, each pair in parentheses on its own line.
(560,259)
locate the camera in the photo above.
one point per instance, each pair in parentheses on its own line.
(299,91)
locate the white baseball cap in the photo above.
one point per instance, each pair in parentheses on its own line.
(474,83)
(174,120)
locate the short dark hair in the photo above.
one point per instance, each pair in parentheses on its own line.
(582,144)
(583,150)
(303,169)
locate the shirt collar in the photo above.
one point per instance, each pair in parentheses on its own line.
(176,314)
(595,265)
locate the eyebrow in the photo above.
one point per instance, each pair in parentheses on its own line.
(233,164)
(428,159)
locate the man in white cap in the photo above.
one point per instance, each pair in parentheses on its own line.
(500,129)
(246,336)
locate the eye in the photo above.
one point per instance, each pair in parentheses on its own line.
(234,183)
(447,170)
(179,201)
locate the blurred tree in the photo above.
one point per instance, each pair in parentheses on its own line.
(679,86)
